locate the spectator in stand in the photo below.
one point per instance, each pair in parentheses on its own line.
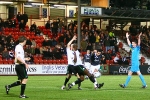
(97,42)
(1,49)
(11,45)
(46,54)
(31,61)
(125,60)
(83,45)
(117,59)
(57,53)
(9,23)
(107,55)
(37,50)
(55,27)
(38,31)
(28,42)
(1,25)
(103,60)
(5,54)
(112,44)
(27,49)
(5,23)
(13,23)
(9,37)
(54,42)
(87,36)
(47,25)
(60,26)
(22,26)
(92,39)
(11,54)
(32,50)
(25,18)
(107,44)
(68,37)
(46,42)
(19,17)
(33,27)
(43,48)
(61,39)
(89,47)
(33,43)
(5,43)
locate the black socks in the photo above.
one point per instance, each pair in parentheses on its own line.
(14,84)
(23,86)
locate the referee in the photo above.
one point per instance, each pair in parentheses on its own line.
(20,67)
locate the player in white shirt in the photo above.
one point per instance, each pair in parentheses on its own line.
(20,67)
(71,63)
(81,71)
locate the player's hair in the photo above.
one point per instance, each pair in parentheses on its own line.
(74,46)
(135,41)
(22,39)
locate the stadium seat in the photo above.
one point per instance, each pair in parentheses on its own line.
(36,61)
(54,61)
(40,61)
(45,62)
(107,62)
(5,62)
(65,61)
(111,62)
(62,61)
(58,62)
(142,60)
(64,57)
(10,61)
(1,61)
(49,61)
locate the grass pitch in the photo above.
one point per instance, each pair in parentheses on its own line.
(48,88)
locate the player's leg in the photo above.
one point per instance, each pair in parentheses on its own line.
(17,83)
(87,66)
(80,78)
(24,79)
(142,79)
(127,80)
(69,72)
(91,77)
(66,81)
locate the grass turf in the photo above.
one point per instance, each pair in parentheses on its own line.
(48,88)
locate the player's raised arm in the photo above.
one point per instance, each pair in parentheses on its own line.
(127,36)
(69,43)
(139,39)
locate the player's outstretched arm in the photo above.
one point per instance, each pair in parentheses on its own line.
(69,43)
(139,38)
(127,36)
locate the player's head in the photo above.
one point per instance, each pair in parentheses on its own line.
(22,40)
(134,43)
(74,47)
(98,52)
(88,51)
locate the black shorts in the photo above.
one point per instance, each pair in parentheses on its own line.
(80,69)
(71,69)
(21,71)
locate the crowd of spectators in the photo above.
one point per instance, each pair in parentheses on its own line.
(54,47)
(131,4)
(145,38)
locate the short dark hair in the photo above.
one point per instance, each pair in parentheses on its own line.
(135,41)
(22,39)
(75,46)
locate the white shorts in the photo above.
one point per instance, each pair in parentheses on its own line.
(93,68)
(87,65)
